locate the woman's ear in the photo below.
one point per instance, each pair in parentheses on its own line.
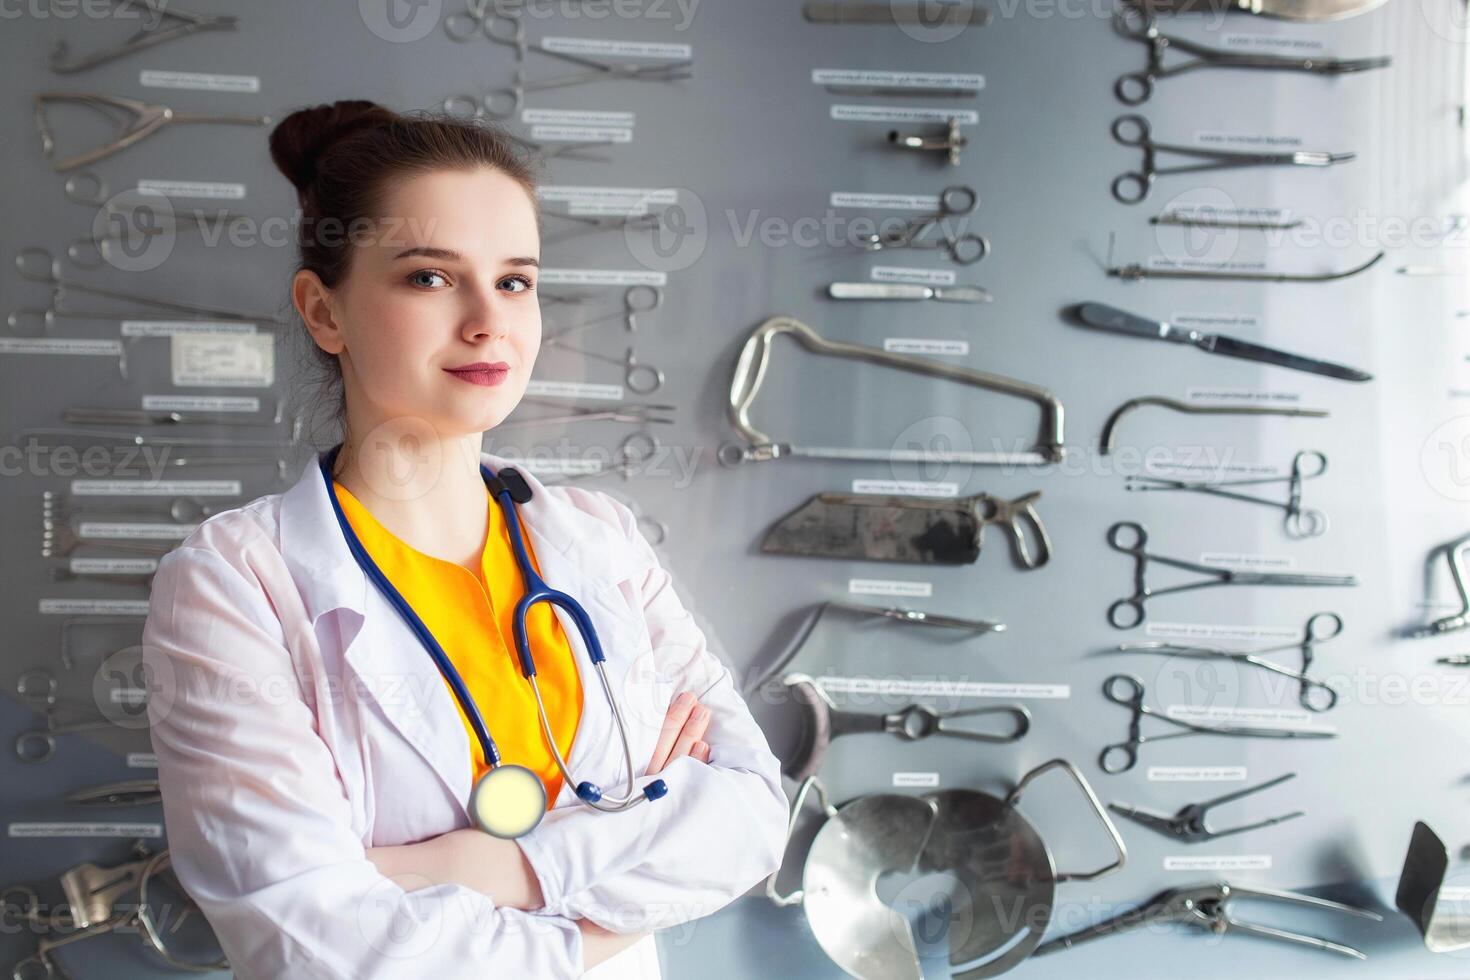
(314,302)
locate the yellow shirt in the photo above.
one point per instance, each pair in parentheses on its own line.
(470,615)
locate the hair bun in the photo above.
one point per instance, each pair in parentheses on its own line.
(299,140)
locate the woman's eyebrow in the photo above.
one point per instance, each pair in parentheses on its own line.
(450,255)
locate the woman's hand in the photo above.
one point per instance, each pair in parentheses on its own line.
(469,857)
(682,734)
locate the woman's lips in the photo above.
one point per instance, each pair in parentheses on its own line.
(488,377)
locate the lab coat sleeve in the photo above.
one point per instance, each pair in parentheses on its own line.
(258,819)
(720,829)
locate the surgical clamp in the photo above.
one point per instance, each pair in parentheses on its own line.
(1300,523)
(1208,907)
(590,223)
(1454,553)
(184,24)
(640,378)
(485,17)
(636,299)
(636,414)
(1127,691)
(911,723)
(1217,576)
(505,103)
(1133,186)
(1135,88)
(1314,695)
(39,687)
(128,792)
(1110,428)
(135,119)
(1189,823)
(955,201)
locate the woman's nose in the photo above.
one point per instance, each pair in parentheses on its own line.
(485,318)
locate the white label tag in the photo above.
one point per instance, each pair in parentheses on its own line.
(574,389)
(598,208)
(900,114)
(135,531)
(163,488)
(1215,631)
(897,79)
(910,687)
(1215,321)
(193,188)
(1243,396)
(169,328)
(206,360)
(60,345)
(201,403)
(113,566)
(618,49)
(886,202)
(1211,212)
(608,196)
(921,345)
(1196,774)
(1204,265)
(1219,862)
(1272,42)
(875,586)
(199,81)
(603,277)
(924,277)
(1283,718)
(1255,563)
(925,780)
(581,134)
(92,607)
(142,760)
(912,488)
(578,117)
(88,829)
(1212,138)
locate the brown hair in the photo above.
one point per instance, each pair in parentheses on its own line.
(342,157)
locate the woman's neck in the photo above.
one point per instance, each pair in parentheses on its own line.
(429,495)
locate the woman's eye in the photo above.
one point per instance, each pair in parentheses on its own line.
(418,277)
(516,284)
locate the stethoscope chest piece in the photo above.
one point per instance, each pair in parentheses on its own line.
(508,801)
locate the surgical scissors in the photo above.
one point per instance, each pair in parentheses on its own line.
(505,103)
(185,23)
(1217,576)
(639,414)
(1127,691)
(1133,186)
(636,299)
(640,378)
(955,201)
(136,120)
(485,17)
(1189,823)
(1135,88)
(1313,694)
(1300,523)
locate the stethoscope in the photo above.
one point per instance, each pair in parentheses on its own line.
(509,800)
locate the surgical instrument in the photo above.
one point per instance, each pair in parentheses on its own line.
(183,24)
(1189,824)
(133,224)
(1313,694)
(755,356)
(1133,186)
(1454,553)
(183,510)
(1445,925)
(647,221)
(620,412)
(505,103)
(915,530)
(1307,11)
(825,721)
(39,688)
(143,439)
(153,539)
(1455,660)
(134,416)
(1200,219)
(28,259)
(1135,271)
(1127,691)
(1300,522)
(959,13)
(950,142)
(955,201)
(98,902)
(908,291)
(1128,612)
(134,118)
(1104,317)
(487,18)
(878,616)
(1208,907)
(640,378)
(128,792)
(641,298)
(1110,428)
(1138,24)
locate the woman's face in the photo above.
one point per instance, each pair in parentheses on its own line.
(446,282)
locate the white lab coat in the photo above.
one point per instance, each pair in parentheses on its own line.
(298,721)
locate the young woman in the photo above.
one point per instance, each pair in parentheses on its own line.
(338,671)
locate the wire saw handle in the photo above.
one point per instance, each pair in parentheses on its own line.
(1019,516)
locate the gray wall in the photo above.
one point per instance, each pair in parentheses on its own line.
(748,142)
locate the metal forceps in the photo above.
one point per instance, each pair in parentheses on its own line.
(955,201)
(39,687)
(1189,823)
(1127,690)
(1314,695)
(184,23)
(136,120)
(1135,88)
(1300,523)
(636,299)
(640,378)
(637,414)
(1117,614)
(505,103)
(486,18)
(1133,186)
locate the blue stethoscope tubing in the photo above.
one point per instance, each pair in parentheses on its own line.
(501,488)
